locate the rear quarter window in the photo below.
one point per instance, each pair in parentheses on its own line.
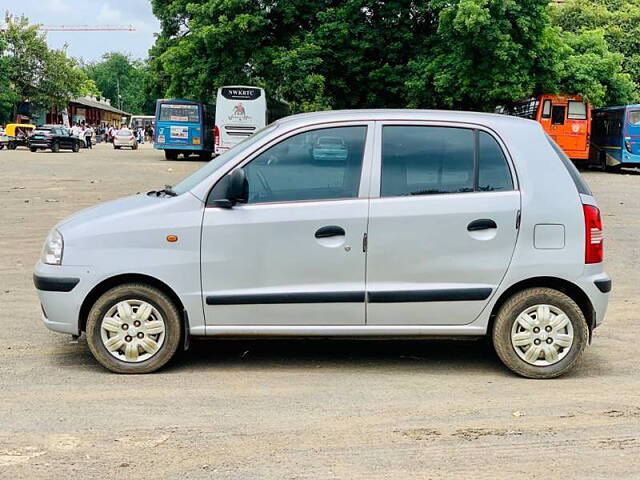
(579,182)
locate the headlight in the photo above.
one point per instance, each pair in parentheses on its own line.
(52,249)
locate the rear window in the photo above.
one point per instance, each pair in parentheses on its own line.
(41,131)
(579,182)
(170,112)
(577,110)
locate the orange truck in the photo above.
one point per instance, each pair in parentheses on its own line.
(566,118)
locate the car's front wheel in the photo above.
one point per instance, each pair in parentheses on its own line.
(55,147)
(540,333)
(133,328)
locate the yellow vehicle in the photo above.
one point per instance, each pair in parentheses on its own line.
(17,134)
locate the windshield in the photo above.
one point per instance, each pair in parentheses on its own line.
(171,112)
(199,175)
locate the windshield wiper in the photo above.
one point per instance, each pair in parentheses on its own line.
(167,191)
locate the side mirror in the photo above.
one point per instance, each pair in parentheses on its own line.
(232,189)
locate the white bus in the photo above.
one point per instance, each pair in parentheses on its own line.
(141,121)
(240,111)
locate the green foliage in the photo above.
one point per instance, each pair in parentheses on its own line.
(604,36)
(8,97)
(124,80)
(32,72)
(319,54)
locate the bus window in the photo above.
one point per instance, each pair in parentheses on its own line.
(546,109)
(557,114)
(577,110)
(634,117)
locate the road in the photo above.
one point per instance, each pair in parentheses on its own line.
(298,408)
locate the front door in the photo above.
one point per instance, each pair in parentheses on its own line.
(443,229)
(292,254)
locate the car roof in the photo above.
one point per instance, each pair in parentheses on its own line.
(480,118)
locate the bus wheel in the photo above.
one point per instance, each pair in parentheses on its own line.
(205,156)
(613,168)
(170,155)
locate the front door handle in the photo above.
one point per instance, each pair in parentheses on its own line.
(329,231)
(481,224)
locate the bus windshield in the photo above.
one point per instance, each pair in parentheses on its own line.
(173,112)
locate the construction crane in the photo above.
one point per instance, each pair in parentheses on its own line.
(81,28)
(87,28)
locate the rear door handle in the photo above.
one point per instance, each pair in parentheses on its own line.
(329,231)
(481,224)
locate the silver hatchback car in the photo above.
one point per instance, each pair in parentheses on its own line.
(432,223)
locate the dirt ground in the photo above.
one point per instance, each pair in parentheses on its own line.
(298,408)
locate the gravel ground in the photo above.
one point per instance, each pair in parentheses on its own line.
(298,408)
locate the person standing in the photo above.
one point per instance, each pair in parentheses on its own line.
(88,135)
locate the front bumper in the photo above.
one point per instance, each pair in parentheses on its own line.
(61,290)
(37,144)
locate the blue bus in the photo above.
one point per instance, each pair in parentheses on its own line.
(184,127)
(615,137)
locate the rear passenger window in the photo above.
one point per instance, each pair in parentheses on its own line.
(493,170)
(420,160)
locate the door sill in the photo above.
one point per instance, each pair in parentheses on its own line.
(339,330)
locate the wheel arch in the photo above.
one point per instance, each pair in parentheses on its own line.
(570,289)
(116,280)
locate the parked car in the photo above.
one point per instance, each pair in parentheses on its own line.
(54,138)
(125,138)
(330,148)
(18,134)
(4,140)
(437,224)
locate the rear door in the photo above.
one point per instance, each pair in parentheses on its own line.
(442,224)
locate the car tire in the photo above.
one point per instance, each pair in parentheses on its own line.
(1,147)
(143,351)
(55,147)
(547,321)
(33,149)
(11,146)
(76,147)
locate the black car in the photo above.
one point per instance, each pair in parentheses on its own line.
(54,138)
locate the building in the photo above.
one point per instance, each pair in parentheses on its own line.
(89,110)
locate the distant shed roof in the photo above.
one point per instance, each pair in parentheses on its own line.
(94,103)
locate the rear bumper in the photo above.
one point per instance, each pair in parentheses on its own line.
(597,286)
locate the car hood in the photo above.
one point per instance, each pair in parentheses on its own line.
(122,207)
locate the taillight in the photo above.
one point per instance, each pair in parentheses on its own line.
(593,250)
(216,135)
(627,144)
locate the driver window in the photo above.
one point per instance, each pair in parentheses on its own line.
(314,165)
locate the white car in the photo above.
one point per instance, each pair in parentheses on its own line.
(125,138)
(436,224)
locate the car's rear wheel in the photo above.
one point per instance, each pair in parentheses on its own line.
(540,333)
(55,147)
(33,149)
(133,328)
(76,147)
(11,146)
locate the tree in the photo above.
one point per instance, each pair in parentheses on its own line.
(36,74)
(8,97)
(318,54)
(123,80)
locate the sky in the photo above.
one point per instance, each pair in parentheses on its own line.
(92,45)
